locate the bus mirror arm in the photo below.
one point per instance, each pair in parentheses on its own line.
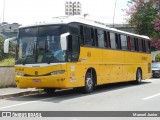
(6,44)
(63,40)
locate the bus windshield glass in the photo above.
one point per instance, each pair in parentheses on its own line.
(41,45)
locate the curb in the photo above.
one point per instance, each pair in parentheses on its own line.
(20,94)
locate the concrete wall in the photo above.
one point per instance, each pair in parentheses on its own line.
(7,77)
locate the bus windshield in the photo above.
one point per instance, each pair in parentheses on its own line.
(41,45)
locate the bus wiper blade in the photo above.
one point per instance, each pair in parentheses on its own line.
(25,61)
(48,62)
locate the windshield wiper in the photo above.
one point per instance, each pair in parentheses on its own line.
(25,61)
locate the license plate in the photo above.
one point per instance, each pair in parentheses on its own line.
(36,80)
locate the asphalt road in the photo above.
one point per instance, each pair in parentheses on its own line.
(111,97)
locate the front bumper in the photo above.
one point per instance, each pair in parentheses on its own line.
(52,81)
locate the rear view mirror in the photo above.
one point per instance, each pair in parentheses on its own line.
(63,40)
(6,44)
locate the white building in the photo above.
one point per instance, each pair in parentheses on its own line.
(73,8)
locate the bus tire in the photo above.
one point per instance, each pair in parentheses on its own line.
(138,76)
(49,90)
(89,83)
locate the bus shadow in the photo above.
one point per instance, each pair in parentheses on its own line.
(62,95)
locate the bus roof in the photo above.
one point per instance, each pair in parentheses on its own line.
(81,19)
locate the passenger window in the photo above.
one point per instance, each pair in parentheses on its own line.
(149,46)
(96,37)
(136,44)
(105,39)
(129,43)
(123,42)
(73,28)
(132,44)
(93,37)
(100,38)
(140,45)
(118,41)
(109,40)
(113,42)
(143,46)
(87,36)
(81,35)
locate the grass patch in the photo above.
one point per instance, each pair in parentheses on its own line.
(7,62)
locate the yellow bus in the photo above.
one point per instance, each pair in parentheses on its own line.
(78,53)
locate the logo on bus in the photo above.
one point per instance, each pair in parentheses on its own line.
(36,72)
(89,54)
(144,58)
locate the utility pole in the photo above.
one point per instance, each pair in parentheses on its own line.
(3,9)
(114,12)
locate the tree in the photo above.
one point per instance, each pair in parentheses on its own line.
(144,15)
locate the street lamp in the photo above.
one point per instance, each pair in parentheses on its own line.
(114,12)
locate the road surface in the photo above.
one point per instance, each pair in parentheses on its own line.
(111,97)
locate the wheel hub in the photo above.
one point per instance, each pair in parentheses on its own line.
(89,83)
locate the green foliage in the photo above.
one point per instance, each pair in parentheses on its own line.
(157,58)
(7,62)
(143,17)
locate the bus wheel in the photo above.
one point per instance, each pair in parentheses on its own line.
(89,83)
(138,76)
(49,90)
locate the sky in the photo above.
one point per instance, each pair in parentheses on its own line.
(34,11)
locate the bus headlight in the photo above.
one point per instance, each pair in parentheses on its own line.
(20,74)
(57,72)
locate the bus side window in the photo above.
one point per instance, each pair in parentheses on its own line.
(123,42)
(136,44)
(129,43)
(87,36)
(143,46)
(106,43)
(118,41)
(149,46)
(96,37)
(100,38)
(93,37)
(109,40)
(132,44)
(113,40)
(81,35)
(140,45)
